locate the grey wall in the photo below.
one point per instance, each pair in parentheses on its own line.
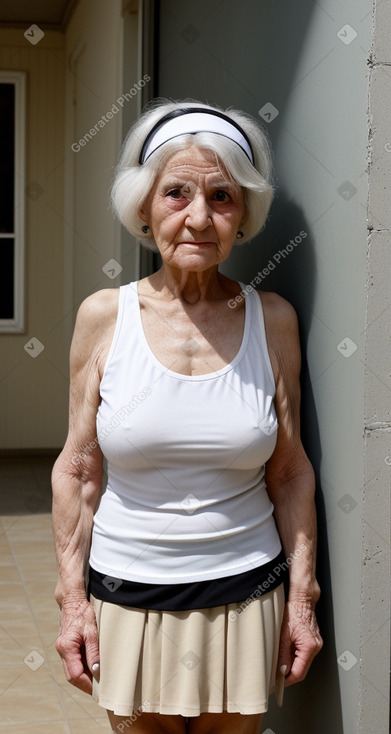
(247,54)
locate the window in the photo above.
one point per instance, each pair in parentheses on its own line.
(12,175)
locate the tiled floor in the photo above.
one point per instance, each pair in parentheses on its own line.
(35,698)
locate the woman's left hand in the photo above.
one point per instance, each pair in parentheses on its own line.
(300,640)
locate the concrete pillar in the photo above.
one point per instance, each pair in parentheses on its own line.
(374,658)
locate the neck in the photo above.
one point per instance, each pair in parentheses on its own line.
(191,287)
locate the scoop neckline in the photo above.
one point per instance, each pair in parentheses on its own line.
(194,378)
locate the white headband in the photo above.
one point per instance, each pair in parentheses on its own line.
(188,121)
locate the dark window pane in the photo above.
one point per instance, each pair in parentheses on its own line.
(7,146)
(7,265)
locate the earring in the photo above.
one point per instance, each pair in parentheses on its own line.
(239,235)
(145,228)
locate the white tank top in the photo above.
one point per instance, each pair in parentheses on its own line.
(186,497)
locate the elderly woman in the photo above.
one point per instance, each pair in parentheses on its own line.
(173,611)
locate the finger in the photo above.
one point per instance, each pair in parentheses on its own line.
(83,682)
(302,661)
(297,673)
(77,677)
(285,652)
(285,658)
(91,645)
(73,665)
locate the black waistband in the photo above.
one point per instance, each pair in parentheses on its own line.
(196,595)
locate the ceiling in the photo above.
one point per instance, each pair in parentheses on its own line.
(50,13)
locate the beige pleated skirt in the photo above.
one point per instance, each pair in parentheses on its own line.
(222,659)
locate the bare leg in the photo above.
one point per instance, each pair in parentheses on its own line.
(143,723)
(225,724)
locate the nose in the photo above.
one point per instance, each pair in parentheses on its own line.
(198,212)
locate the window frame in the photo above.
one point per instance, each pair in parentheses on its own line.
(16,324)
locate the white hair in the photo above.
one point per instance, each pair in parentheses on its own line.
(133,182)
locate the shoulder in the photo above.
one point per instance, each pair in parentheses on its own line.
(282,332)
(99,307)
(277,309)
(95,322)
(279,314)
(97,313)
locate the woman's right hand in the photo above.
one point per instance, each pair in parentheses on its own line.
(77,643)
(77,486)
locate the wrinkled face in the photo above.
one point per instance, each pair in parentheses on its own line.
(194,211)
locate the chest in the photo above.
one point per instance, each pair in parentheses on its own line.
(192,344)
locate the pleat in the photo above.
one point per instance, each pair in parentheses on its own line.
(121,655)
(190,662)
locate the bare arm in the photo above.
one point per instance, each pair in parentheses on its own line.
(291,487)
(77,484)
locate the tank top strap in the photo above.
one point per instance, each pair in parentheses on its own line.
(127,310)
(258,327)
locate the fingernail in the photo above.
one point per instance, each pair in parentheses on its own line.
(283,669)
(95,666)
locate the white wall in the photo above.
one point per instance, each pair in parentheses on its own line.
(93,52)
(74,80)
(33,401)
(93,47)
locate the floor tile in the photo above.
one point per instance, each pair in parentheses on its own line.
(27,695)
(89,727)
(35,697)
(56,727)
(76,703)
(8,574)
(15,650)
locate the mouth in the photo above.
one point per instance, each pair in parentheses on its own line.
(197,244)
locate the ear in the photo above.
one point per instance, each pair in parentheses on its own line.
(142,213)
(144,209)
(244,217)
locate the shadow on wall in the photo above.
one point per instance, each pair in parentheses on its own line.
(285,261)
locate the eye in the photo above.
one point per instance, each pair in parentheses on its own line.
(221,196)
(174,193)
